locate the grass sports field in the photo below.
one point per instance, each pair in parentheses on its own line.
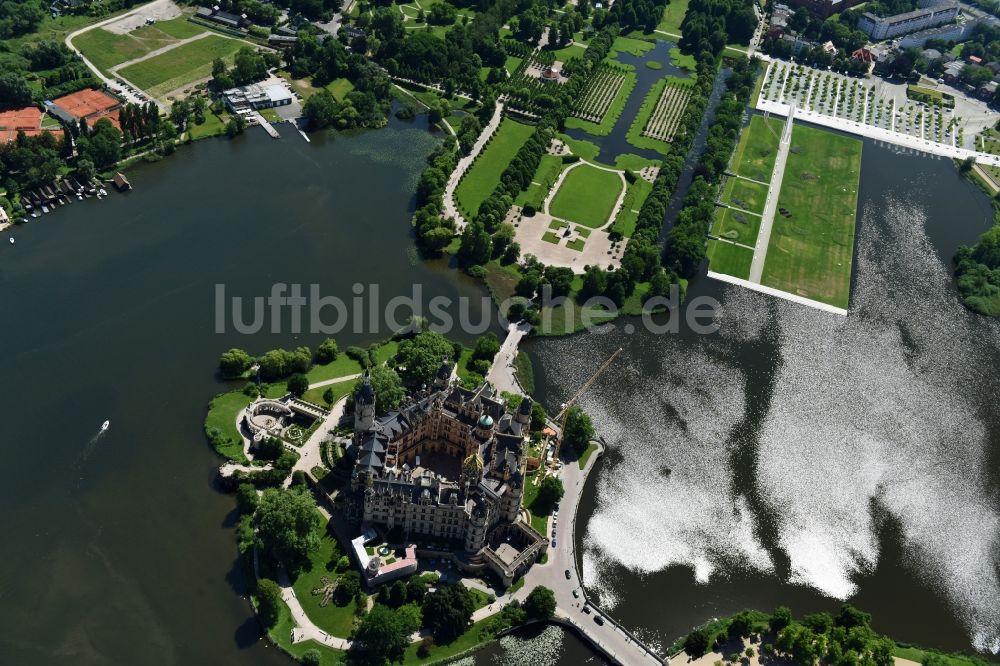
(484,175)
(812,244)
(745,194)
(106,49)
(729,259)
(587,196)
(181,66)
(758,148)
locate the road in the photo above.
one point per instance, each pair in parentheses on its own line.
(771,206)
(111,83)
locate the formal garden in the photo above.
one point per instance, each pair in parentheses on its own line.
(669,110)
(602,101)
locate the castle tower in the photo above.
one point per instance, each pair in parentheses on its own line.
(364,406)
(443,376)
(510,504)
(475,528)
(523,415)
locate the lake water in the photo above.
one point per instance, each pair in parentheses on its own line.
(801,458)
(117,549)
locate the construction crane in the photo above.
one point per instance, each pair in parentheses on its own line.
(564,412)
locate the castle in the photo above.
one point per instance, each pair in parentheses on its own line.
(447,467)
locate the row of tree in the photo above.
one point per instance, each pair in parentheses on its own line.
(685,246)
(276,363)
(978,271)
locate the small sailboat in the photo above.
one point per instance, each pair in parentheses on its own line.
(105,425)
(11,240)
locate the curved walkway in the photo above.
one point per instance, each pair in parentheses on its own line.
(450,208)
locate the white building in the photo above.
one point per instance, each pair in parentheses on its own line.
(256,97)
(879,28)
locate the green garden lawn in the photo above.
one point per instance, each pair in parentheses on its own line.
(811,252)
(484,175)
(729,259)
(736,226)
(548,170)
(629,216)
(587,196)
(106,49)
(745,194)
(673,14)
(758,148)
(181,66)
(335,620)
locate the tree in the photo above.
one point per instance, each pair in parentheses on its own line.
(14,90)
(329,395)
(327,351)
(780,618)
(235,126)
(249,66)
(298,384)
(487,347)
(537,417)
(382,636)
(85,169)
(696,643)
(579,430)
(268,601)
(849,617)
(311,657)
(321,109)
(420,357)
(550,492)
(234,363)
(540,603)
(389,391)
(348,587)
(397,594)
(447,611)
(287,526)
(246,498)
(415,590)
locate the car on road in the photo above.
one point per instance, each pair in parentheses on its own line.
(576,594)
(599,620)
(554,545)
(567,574)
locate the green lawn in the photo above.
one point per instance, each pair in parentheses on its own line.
(587,196)
(484,175)
(548,170)
(340,389)
(673,14)
(281,635)
(729,259)
(181,66)
(614,111)
(180,27)
(567,52)
(745,194)
(586,150)
(213,126)
(758,148)
(811,252)
(634,135)
(736,226)
(636,47)
(106,49)
(629,215)
(589,451)
(550,237)
(473,636)
(222,411)
(683,60)
(512,63)
(576,244)
(335,620)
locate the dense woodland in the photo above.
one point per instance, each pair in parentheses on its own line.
(978,271)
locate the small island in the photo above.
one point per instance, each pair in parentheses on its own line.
(396,506)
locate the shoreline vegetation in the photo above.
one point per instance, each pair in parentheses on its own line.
(753,638)
(290,531)
(977,267)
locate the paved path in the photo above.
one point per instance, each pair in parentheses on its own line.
(335,380)
(311,452)
(450,208)
(129,97)
(771,205)
(501,373)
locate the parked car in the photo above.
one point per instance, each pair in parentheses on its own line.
(554,545)
(599,620)
(567,574)
(576,594)
(586,609)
